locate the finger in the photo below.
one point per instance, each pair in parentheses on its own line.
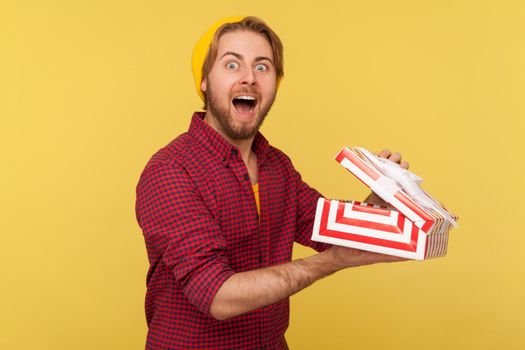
(379,257)
(397,258)
(385,153)
(395,157)
(388,258)
(404,164)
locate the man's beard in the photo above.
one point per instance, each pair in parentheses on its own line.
(225,119)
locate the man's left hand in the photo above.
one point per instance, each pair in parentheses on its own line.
(394,157)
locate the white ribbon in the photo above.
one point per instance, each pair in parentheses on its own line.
(397,177)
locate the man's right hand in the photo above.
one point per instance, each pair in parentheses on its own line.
(343,257)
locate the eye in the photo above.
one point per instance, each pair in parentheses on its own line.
(232,65)
(261,68)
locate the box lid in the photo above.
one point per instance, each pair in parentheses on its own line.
(398,187)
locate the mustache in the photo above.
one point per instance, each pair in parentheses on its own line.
(247,90)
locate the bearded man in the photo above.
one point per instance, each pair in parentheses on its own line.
(220,208)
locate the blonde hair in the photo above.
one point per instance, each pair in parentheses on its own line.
(255,25)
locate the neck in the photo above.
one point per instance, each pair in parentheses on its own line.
(244,146)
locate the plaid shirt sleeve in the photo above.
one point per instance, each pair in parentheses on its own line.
(178,227)
(306,205)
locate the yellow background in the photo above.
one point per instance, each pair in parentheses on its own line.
(89,90)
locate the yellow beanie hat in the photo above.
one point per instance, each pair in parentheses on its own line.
(201,51)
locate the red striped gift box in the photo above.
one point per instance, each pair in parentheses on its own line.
(414,229)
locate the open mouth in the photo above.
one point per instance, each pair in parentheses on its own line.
(244,104)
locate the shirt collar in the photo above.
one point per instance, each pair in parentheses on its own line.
(214,143)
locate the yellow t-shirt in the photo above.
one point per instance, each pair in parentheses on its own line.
(255,188)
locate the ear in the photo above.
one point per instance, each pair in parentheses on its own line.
(203,85)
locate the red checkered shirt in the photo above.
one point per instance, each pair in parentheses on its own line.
(197,210)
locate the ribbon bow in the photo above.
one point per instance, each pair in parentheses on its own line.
(397,177)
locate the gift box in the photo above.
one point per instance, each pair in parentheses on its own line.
(413,226)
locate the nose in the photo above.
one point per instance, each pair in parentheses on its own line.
(248,77)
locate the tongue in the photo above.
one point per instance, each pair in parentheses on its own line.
(242,107)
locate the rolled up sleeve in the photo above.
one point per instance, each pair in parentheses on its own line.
(180,231)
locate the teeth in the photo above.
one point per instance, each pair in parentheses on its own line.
(246,98)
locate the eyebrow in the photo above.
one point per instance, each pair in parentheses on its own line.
(239,56)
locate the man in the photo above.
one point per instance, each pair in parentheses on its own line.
(220,208)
